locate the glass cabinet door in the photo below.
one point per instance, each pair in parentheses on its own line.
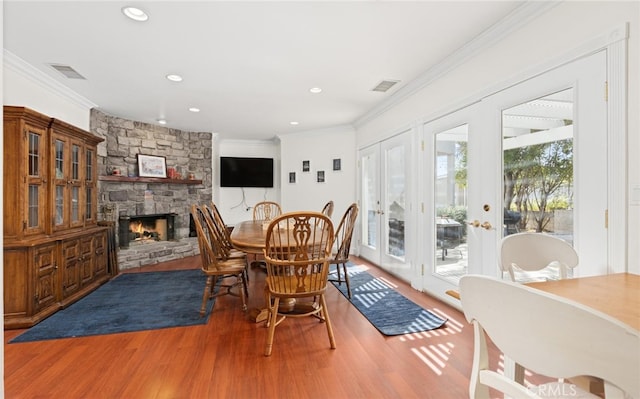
(90,186)
(72,164)
(60,191)
(75,183)
(36,176)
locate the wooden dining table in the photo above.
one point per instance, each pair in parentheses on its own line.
(617,295)
(249,236)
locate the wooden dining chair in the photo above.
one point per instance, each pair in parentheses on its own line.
(548,335)
(297,252)
(327,209)
(340,257)
(219,228)
(222,231)
(216,265)
(266,210)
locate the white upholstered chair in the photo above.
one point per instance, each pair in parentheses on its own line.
(548,335)
(532,252)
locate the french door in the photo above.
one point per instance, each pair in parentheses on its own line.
(529,158)
(385,204)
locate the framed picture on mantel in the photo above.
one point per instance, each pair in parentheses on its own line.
(152,166)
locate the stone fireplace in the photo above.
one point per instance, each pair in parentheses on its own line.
(138,199)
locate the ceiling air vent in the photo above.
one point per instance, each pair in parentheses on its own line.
(67,71)
(385,85)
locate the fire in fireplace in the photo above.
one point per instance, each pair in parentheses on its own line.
(146,228)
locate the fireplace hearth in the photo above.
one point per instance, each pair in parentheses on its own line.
(140,229)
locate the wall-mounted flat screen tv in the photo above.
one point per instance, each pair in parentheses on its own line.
(246,172)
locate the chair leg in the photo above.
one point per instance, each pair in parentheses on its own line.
(212,286)
(243,295)
(273,316)
(346,279)
(246,284)
(327,320)
(205,295)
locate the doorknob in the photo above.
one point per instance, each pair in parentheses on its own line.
(485,225)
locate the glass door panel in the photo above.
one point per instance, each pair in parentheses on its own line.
(450,205)
(370,205)
(384,204)
(395,205)
(538,168)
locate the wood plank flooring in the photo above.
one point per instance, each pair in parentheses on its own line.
(224,358)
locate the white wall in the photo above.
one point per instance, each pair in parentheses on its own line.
(320,148)
(235,204)
(23,85)
(556,33)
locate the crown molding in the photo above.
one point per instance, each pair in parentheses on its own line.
(515,20)
(321,131)
(20,66)
(247,142)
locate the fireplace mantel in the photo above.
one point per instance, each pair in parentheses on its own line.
(159,180)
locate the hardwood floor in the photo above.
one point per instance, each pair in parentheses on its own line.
(224,358)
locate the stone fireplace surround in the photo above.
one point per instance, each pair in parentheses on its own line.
(187,152)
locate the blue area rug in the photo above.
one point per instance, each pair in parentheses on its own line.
(130,302)
(389,311)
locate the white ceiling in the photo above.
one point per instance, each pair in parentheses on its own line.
(248,66)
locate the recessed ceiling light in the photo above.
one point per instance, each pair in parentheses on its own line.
(174,78)
(315,90)
(194,109)
(293,123)
(162,121)
(135,13)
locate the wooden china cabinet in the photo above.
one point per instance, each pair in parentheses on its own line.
(54,250)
